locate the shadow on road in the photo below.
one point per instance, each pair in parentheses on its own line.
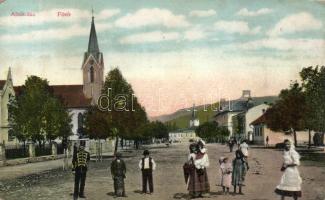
(111,194)
(181,196)
(137,191)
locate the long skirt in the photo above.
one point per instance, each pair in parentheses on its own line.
(198,182)
(238,173)
(119,188)
(290,184)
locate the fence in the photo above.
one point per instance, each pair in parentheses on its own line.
(43,150)
(16,151)
(60,149)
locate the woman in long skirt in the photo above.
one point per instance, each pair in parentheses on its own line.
(197,183)
(240,168)
(290,184)
(118,171)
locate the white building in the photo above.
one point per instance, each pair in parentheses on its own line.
(182,136)
(246,118)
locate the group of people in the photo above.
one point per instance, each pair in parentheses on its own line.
(232,173)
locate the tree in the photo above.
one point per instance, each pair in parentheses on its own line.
(97,124)
(313,83)
(56,120)
(288,113)
(36,114)
(207,130)
(126,113)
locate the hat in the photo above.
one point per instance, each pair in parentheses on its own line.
(118,154)
(146,152)
(82,143)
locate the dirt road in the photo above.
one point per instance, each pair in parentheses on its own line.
(263,176)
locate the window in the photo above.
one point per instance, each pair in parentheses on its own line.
(91,72)
(80,120)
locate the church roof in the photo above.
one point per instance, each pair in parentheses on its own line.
(93,43)
(71,95)
(2,83)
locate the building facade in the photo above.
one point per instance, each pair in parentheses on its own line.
(76,98)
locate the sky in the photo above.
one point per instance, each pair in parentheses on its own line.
(175,53)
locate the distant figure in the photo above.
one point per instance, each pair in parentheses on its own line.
(243,147)
(118,170)
(290,184)
(240,167)
(267,141)
(231,144)
(226,169)
(147,166)
(80,162)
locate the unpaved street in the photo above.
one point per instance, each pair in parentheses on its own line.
(263,176)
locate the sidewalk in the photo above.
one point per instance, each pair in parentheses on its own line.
(10,172)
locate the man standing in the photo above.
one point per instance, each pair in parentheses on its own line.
(80,161)
(147,165)
(118,171)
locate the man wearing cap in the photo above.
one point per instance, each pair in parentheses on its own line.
(147,165)
(80,161)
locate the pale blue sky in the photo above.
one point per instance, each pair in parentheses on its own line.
(221,46)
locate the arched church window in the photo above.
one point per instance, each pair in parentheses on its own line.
(91,71)
(80,120)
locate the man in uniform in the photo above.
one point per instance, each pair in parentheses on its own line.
(79,161)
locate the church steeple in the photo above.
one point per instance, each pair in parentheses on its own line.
(93,66)
(93,43)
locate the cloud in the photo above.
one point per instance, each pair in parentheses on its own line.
(49,34)
(106,14)
(152,17)
(194,34)
(203,13)
(295,23)
(245,12)
(51,16)
(240,27)
(311,46)
(150,37)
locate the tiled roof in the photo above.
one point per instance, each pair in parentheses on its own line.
(2,83)
(259,120)
(71,95)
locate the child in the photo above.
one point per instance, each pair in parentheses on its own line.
(226,169)
(220,171)
(239,171)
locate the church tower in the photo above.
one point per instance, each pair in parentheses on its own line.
(93,67)
(194,121)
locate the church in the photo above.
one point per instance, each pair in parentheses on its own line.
(76,98)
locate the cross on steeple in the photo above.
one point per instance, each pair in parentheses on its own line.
(92,12)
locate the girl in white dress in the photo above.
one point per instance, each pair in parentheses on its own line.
(290,184)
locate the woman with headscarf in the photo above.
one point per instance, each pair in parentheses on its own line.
(198,161)
(290,184)
(240,168)
(118,171)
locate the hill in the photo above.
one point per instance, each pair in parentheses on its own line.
(204,112)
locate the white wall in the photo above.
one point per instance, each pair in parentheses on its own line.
(74,122)
(251,115)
